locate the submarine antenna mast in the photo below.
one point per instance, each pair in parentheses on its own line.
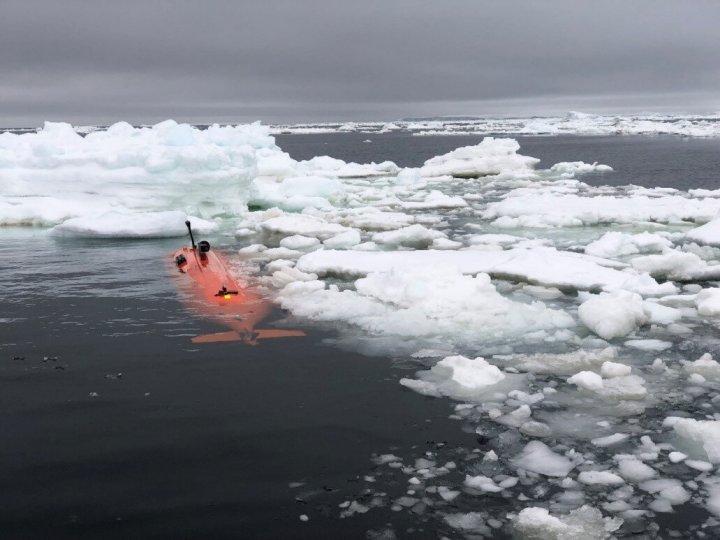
(192,240)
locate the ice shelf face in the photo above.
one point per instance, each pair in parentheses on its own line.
(556,317)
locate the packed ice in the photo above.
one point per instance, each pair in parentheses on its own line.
(570,325)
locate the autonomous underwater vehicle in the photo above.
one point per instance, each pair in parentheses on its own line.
(211,291)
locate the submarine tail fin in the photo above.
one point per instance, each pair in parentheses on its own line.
(271,333)
(267,333)
(218,337)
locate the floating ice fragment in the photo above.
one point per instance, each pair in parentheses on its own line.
(586,522)
(613,315)
(600,477)
(538,458)
(610,440)
(491,156)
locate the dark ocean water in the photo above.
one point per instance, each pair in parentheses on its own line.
(115,426)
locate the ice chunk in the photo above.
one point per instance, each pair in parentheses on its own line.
(588,380)
(616,244)
(538,458)
(586,522)
(304,225)
(613,369)
(708,302)
(634,470)
(482,483)
(296,193)
(700,436)
(613,315)
(492,156)
(470,522)
(344,240)
(706,234)
(610,440)
(412,236)
(648,344)
(563,363)
(299,242)
(705,366)
(456,376)
(600,477)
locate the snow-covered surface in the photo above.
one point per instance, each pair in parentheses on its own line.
(557,318)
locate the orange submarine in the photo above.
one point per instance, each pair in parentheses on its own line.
(211,291)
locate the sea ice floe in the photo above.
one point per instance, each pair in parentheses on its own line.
(425,302)
(55,174)
(133,225)
(490,157)
(541,265)
(539,208)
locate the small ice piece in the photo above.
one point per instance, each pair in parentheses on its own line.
(612,315)
(587,380)
(544,293)
(713,500)
(343,240)
(614,369)
(470,522)
(610,440)
(676,457)
(304,517)
(699,465)
(616,244)
(648,344)
(490,455)
(708,234)
(707,302)
(600,477)
(299,242)
(537,457)
(482,483)
(457,376)
(415,236)
(705,366)
(535,429)
(586,522)
(563,363)
(634,470)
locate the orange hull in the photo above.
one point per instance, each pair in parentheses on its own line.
(213,292)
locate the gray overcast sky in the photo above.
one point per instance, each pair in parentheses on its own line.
(98,61)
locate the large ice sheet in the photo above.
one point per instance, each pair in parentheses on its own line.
(168,166)
(543,209)
(541,265)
